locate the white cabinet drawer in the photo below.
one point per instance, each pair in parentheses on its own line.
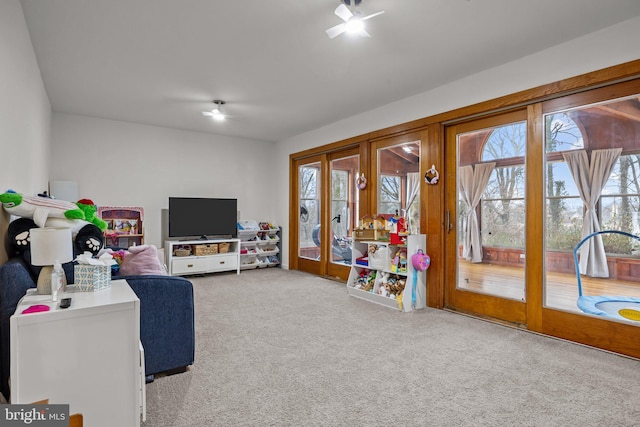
(190,265)
(226,259)
(223,262)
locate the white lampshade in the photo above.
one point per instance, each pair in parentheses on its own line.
(51,244)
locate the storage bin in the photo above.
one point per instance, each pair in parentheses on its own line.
(185,251)
(223,248)
(379,257)
(208,249)
(91,278)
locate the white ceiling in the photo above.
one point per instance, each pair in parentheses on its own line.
(162,62)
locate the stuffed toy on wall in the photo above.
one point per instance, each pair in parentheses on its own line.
(86,227)
(89,208)
(42,208)
(86,237)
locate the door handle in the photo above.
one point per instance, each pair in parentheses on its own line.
(449,225)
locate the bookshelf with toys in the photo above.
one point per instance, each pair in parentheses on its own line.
(124,225)
(382,269)
(259,244)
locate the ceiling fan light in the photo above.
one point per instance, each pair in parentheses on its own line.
(354,25)
(217,115)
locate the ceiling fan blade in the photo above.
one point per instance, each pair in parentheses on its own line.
(343,12)
(207,113)
(336,31)
(363,33)
(372,15)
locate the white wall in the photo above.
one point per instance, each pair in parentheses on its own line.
(125,164)
(25,112)
(611,46)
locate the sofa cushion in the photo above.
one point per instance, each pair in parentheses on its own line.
(141,260)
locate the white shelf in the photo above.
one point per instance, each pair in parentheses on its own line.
(201,264)
(88,355)
(262,245)
(381,261)
(375,298)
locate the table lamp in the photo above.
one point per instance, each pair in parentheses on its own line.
(48,246)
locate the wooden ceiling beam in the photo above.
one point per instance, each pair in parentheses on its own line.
(618,113)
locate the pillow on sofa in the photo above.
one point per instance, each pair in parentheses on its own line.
(139,260)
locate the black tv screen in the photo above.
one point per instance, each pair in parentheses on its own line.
(202,217)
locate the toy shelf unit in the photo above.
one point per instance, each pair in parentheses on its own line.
(259,244)
(202,256)
(124,225)
(382,272)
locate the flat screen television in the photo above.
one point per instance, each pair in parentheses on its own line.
(199,217)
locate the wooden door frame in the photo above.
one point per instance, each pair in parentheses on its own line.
(332,269)
(493,306)
(381,143)
(323,267)
(295,261)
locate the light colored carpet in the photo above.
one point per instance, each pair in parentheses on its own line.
(283,348)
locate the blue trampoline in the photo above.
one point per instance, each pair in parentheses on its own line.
(618,307)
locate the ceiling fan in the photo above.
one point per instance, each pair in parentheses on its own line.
(353,21)
(216,113)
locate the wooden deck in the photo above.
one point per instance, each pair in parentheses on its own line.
(561,289)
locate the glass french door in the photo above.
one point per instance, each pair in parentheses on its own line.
(398,179)
(309,203)
(485,218)
(328,211)
(344,168)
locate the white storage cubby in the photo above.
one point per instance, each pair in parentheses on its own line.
(183,258)
(376,263)
(259,244)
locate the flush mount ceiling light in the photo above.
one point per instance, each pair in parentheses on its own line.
(353,21)
(216,113)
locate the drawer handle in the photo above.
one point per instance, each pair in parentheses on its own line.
(221,262)
(189,265)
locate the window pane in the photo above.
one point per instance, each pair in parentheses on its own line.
(399,182)
(503,223)
(344,206)
(389,194)
(506,142)
(339,185)
(562,133)
(592,128)
(495,249)
(308,243)
(559,181)
(564,223)
(503,208)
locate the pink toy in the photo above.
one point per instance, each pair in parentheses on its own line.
(420,260)
(37,308)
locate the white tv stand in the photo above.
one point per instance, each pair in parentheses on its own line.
(200,264)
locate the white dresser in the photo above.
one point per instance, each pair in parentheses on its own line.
(88,355)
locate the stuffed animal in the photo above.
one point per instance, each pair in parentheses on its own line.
(17,238)
(89,208)
(86,237)
(40,209)
(86,227)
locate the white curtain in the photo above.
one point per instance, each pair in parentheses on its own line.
(472,185)
(413,188)
(590,178)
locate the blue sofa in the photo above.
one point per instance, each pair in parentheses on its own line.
(166,316)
